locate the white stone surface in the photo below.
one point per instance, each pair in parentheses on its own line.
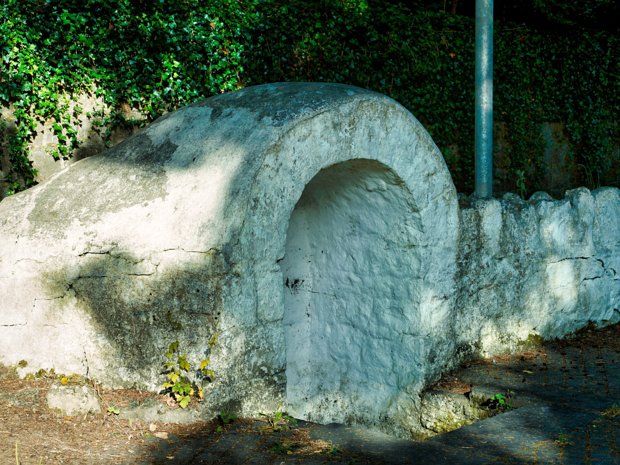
(183,231)
(352,278)
(544,267)
(315,229)
(73,400)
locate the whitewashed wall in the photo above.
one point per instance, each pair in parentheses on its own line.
(542,267)
(316,230)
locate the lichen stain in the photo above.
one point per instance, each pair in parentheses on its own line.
(129,174)
(279,103)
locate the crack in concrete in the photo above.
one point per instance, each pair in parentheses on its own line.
(118,256)
(107,252)
(116,275)
(47,299)
(39,262)
(569,258)
(181,249)
(606,268)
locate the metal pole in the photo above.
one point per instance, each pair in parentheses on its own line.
(484,98)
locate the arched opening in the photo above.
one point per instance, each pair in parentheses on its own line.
(351,276)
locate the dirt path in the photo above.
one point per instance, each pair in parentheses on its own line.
(31,433)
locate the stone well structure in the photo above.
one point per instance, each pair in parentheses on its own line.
(312,227)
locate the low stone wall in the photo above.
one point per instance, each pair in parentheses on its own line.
(538,268)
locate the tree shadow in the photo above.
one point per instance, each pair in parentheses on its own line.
(134,305)
(555,427)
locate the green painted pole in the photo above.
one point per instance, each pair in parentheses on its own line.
(484,98)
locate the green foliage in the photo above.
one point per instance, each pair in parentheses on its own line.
(152,56)
(566,78)
(157,56)
(280,447)
(561,12)
(182,383)
(279,421)
(113,410)
(498,402)
(226,417)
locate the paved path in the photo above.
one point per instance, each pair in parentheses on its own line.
(564,397)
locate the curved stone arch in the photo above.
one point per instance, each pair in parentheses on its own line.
(178,233)
(349,131)
(360,124)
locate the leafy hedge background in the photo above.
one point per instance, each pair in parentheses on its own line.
(553,63)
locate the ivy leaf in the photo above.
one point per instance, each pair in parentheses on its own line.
(184,402)
(113,410)
(174,347)
(183,363)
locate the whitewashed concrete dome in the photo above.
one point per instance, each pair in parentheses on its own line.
(312,227)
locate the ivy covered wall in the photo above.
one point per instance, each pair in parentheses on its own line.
(556,88)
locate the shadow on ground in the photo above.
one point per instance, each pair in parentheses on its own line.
(567,395)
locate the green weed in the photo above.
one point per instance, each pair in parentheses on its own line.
(183,383)
(279,421)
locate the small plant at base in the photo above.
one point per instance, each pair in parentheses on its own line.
(226,417)
(520,182)
(181,385)
(498,402)
(332,450)
(279,421)
(113,410)
(281,448)
(42,373)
